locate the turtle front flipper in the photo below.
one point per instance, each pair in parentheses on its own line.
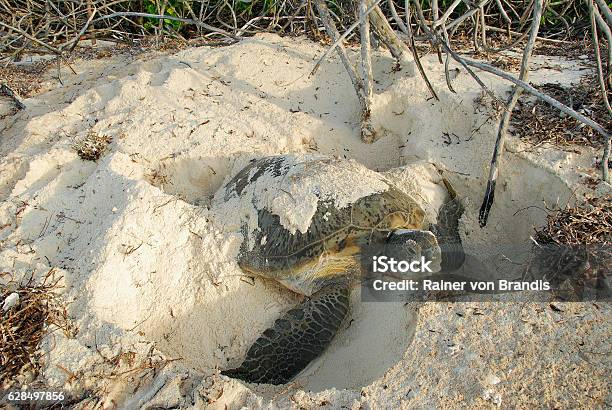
(447,231)
(296,338)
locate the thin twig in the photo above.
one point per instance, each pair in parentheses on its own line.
(34,39)
(446,15)
(397,18)
(332,31)
(413,49)
(447,62)
(435,39)
(366,69)
(606,30)
(386,34)
(503,13)
(338,42)
(83,30)
(602,85)
(422,72)
(505,121)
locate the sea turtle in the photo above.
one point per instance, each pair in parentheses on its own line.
(313,217)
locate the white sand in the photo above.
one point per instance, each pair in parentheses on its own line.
(149,266)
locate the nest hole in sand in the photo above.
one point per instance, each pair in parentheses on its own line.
(192,179)
(377,334)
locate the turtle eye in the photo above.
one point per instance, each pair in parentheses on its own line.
(341,244)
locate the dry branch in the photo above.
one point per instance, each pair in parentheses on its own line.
(386,34)
(167,17)
(31,38)
(366,68)
(337,41)
(74,42)
(606,10)
(602,85)
(397,19)
(366,127)
(505,121)
(5,90)
(606,30)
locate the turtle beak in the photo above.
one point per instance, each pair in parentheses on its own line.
(415,245)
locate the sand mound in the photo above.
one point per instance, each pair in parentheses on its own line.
(149,266)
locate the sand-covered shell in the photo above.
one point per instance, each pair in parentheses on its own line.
(313,213)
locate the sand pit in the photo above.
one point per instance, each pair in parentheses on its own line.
(149,260)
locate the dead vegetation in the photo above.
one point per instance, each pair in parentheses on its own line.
(574,247)
(31,310)
(539,123)
(92,147)
(506,60)
(34,309)
(24,79)
(577,49)
(126,371)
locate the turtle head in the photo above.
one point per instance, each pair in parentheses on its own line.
(415,245)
